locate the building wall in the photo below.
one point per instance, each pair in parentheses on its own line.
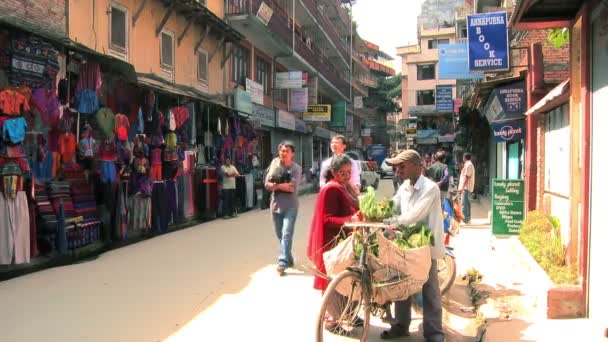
(143,44)
(46,15)
(556,60)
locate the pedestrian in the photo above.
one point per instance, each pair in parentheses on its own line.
(466,186)
(282,180)
(439,173)
(428,160)
(418,201)
(229,174)
(333,209)
(338,146)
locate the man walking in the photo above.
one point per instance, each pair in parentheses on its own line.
(438,172)
(229,174)
(338,146)
(282,180)
(418,200)
(466,185)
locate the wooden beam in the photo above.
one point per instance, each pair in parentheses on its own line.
(138,12)
(542,25)
(232,48)
(166,17)
(181,36)
(217,48)
(202,39)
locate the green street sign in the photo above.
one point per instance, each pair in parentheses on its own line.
(507,206)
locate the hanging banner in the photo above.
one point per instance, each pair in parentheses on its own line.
(488,42)
(265,12)
(509,131)
(242,101)
(338,114)
(320,113)
(301,126)
(264,115)
(255,90)
(291,79)
(350,123)
(298,101)
(453,63)
(513,99)
(286,120)
(443,98)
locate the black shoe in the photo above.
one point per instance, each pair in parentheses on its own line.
(358,322)
(394,332)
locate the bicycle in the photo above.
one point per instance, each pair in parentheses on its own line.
(345,309)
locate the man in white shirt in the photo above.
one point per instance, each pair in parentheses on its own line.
(338,146)
(466,186)
(418,200)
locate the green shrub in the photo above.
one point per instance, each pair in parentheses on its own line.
(540,234)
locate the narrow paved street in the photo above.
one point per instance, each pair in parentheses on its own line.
(213,282)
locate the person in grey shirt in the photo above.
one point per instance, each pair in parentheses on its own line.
(282,180)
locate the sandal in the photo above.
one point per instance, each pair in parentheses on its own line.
(395,331)
(333,327)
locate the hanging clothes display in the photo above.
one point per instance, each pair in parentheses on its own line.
(160,209)
(14,230)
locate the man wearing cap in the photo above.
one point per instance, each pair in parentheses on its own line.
(418,201)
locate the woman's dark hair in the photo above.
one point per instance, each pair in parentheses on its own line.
(289,144)
(337,162)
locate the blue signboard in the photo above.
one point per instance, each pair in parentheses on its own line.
(513,99)
(453,63)
(443,98)
(488,42)
(509,131)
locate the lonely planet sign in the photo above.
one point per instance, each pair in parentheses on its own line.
(509,131)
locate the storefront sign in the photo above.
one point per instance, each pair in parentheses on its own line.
(453,63)
(513,99)
(242,101)
(410,131)
(443,98)
(488,41)
(338,114)
(286,120)
(366,132)
(358,102)
(291,79)
(426,141)
(322,132)
(507,206)
(509,131)
(318,113)
(264,13)
(298,100)
(350,123)
(313,90)
(264,115)
(256,91)
(301,126)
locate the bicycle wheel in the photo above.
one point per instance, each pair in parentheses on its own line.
(446,273)
(343,301)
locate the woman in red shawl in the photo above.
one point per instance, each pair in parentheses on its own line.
(333,209)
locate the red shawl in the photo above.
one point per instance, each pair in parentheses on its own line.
(332,211)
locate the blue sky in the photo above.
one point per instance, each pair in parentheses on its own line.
(388,23)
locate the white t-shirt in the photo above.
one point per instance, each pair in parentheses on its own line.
(355,173)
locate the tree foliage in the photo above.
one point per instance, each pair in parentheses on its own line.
(558,37)
(385,98)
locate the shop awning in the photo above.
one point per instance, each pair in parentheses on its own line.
(158,83)
(556,97)
(107,62)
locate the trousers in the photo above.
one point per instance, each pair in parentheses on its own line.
(160,209)
(14,230)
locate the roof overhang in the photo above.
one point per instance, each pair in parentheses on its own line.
(555,98)
(544,14)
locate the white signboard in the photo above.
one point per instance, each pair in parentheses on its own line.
(256,91)
(298,100)
(287,120)
(265,12)
(366,132)
(358,102)
(291,79)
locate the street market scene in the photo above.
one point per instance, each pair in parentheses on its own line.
(303,170)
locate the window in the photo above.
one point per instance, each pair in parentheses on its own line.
(119,31)
(432,44)
(262,74)
(426,72)
(463,33)
(425,97)
(557,151)
(166,50)
(240,56)
(202,71)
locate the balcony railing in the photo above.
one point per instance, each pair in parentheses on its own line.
(379,67)
(327,26)
(281,24)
